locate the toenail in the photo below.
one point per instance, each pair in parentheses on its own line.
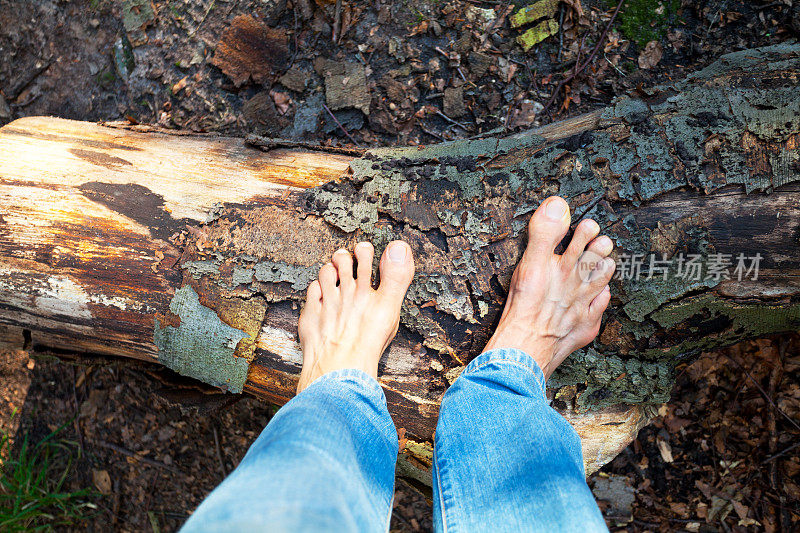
(341,251)
(397,253)
(556,209)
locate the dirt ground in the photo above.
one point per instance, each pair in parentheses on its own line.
(721,457)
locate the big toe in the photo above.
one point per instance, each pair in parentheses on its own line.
(397,271)
(548,225)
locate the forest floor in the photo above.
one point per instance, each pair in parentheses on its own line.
(722,455)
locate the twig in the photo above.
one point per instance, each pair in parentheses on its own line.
(430,132)
(25,81)
(775,377)
(508,117)
(133,455)
(269,143)
(450,120)
(231,8)
(621,73)
(336,120)
(202,20)
(763,392)
(783,452)
(337,22)
(588,208)
(219,453)
(560,30)
(150,493)
(568,237)
(77,409)
(588,60)
(296,46)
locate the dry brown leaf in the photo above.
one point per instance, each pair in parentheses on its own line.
(741,509)
(680,509)
(665,450)
(102,480)
(282,101)
(651,55)
(525,114)
(576,6)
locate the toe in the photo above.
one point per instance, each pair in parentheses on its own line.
(397,271)
(314,293)
(343,262)
(599,304)
(547,227)
(364,254)
(309,316)
(601,276)
(327,282)
(584,233)
(602,246)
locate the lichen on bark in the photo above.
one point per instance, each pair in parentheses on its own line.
(463,208)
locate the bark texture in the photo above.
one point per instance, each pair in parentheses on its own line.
(195,251)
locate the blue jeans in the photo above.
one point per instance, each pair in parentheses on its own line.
(504,460)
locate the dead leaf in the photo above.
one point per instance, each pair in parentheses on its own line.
(676,39)
(576,6)
(651,55)
(282,101)
(249,49)
(181,85)
(102,481)
(704,488)
(419,29)
(665,450)
(741,509)
(720,509)
(525,114)
(680,509)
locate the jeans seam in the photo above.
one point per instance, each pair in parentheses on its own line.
(441,489)
(540,383)
(350,374)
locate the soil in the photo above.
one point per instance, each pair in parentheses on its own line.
(382,73)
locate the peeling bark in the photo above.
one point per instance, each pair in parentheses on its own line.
(136,242)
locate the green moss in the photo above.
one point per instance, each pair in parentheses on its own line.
(106,78)
(642,21)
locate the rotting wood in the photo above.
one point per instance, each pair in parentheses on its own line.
(140,243)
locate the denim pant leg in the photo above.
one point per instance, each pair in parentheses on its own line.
(325,462)
(504,460)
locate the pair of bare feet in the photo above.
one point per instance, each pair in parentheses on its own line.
(554,304)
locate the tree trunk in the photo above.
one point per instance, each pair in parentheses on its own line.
(194,251)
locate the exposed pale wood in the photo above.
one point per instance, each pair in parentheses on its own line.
(191,173)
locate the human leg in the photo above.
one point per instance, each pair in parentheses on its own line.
(326,459)
(504,459)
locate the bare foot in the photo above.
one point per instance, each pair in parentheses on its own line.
(555,302)
(345,322)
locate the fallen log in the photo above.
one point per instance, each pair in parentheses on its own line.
(194,251)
